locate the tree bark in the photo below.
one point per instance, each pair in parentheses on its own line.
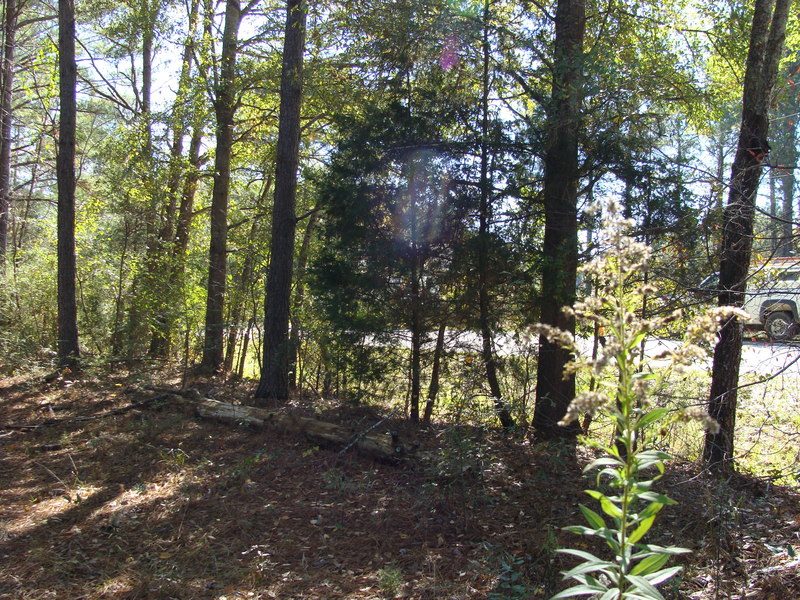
(183,223)
(6,117)
(245,282)
(433,386)
(148,22)
(68,349)
(554,392)
(299,296)
(416,326)
(484,215)
(161,334)
(787,160)
(150,286)
(274,382)
(766,45)
(225,108)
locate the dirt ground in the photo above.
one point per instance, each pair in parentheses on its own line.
(99,499)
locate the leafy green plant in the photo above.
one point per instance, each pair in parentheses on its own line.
(458,474)
(627,469)
(548,558)
(511,583)
(244,467)
(338,480)
(390,579)
(175,458)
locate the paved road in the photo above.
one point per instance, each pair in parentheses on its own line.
(763,358)
(758,357)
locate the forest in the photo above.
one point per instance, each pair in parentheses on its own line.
(398,299)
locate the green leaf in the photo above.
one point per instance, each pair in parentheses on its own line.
(579,553)
(612,594)
(590,567)
(587,579)
(638,339)
(613,474)
(663,575)
(580,530)
(656,497)
(645,587)
(652,456)
(643,528)
(579,590)
(609,535)
(648,549)
(611,509)
(592,517)
(651,417)
(606,461)
(651,510)
(650,564)
(644,376)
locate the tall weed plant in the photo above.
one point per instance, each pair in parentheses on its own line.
(627,469)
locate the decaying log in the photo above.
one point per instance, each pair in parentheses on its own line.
(384,446)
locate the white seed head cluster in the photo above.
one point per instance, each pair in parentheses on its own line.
(554,335)
(705,327)
(702,330)
(641,389)
(699,414)
(612,306)
(584,403)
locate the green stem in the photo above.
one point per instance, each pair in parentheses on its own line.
(627,434)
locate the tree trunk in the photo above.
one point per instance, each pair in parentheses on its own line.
(787,160)
(766,44)
(274,383)
(6,116)
(416,326)
(299,296)
(145,287)
(148,24)
(245,282)
(554,392)
(237,308)
(161,332)
(788,183)
(183,223)
(245,345)
(484,215)
(774,217)
(225,108)
(68,349)
(433,386)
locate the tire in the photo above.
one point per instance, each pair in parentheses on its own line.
(779,326)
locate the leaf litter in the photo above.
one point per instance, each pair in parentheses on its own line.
(152,503)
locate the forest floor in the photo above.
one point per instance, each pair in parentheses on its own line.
(152,503)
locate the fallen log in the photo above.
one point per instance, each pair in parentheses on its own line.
(384,446)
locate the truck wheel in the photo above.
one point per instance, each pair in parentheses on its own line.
(779,326)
